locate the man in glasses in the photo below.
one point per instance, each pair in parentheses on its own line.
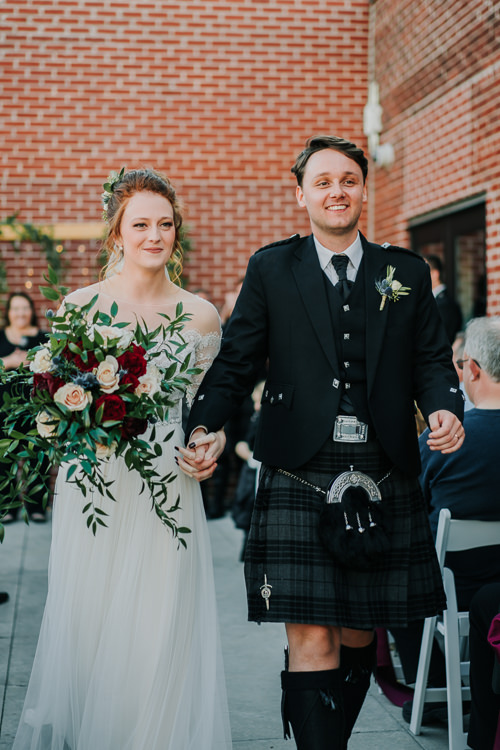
(458,353)
(467,484)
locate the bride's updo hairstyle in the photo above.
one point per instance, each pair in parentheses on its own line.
(115,201)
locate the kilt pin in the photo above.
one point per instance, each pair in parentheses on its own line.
(317,349)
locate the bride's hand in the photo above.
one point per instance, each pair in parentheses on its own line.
(199,459)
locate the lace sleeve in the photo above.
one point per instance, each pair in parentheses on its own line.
(206,349)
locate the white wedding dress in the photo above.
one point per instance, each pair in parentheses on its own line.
(129,656)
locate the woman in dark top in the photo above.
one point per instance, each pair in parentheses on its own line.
(20,333)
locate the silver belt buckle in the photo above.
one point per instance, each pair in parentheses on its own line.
(349,430)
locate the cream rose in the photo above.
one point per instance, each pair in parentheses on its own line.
(150,382)
(42,361)
(105,451)
(43,427)
(73,397)
(120,336)
(107,374)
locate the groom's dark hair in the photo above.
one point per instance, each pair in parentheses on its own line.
(319,143)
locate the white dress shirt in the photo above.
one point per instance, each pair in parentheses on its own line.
(354,252)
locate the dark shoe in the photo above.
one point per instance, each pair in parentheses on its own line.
(4,597)
(214,515)
(38,517)
(433,713)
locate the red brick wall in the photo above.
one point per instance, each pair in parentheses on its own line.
(218,94)
(438,67)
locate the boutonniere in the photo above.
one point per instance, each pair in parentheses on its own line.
(390,288)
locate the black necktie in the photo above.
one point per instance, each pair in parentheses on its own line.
(339,262)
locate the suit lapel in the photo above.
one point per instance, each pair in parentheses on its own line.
(375,262)
(310,283)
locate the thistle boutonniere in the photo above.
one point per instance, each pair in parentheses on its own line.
(390,288)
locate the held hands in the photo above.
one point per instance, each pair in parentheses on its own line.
(199,459)
(446,432)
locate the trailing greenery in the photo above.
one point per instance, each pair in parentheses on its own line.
(26,232)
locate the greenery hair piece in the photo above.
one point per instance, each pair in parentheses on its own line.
(113,179)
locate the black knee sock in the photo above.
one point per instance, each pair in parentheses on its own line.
(312,704)
(356,668)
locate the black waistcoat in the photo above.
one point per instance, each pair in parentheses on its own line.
(349,330)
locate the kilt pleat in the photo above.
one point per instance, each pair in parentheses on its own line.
(284,550)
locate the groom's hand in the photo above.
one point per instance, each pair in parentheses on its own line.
(447,433)
(199,459)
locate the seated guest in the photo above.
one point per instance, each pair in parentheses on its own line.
(484,726)
(467,483)
(458,354)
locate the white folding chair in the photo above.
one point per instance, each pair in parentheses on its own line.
(452,536)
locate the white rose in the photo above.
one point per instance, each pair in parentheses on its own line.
(150,382)
(42,361)
(43,427)
(396,285)
(107,374)
(119,336)
(126,337)
(73,397)
(105,451)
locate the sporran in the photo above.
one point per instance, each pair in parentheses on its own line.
(353,520)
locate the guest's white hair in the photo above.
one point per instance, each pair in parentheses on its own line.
(482,343)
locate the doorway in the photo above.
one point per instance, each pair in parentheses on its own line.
(457,234)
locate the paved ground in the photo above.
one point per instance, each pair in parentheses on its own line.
(253,654)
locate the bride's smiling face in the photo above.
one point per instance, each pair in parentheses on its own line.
(147,230)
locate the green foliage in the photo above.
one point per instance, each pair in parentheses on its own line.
(27,232)
(96,387)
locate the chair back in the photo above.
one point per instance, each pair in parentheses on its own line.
(455,535)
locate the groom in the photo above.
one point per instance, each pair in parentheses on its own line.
(350,347)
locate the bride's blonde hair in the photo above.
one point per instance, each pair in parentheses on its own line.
(136,181)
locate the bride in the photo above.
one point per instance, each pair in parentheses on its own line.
(128,656)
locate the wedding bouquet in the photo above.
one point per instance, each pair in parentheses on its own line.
(94,389)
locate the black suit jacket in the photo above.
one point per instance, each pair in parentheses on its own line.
(282,315)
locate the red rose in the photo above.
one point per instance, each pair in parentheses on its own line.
(44,381)
(77,360)
(134,362)
(114,407)
(88,365)
(132,426)
(130,380)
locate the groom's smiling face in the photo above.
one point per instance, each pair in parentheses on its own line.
(333,192)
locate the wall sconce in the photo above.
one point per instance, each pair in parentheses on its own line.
(382,154)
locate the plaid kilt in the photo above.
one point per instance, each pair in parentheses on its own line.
(306,585)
